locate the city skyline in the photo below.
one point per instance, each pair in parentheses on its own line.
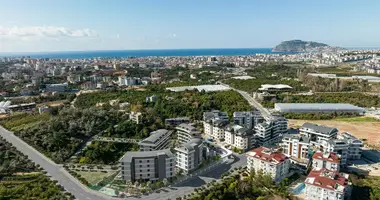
(46,26)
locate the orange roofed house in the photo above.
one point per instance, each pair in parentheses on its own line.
(269,161)
(330,161)
(327,184)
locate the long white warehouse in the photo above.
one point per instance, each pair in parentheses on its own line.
(317,107)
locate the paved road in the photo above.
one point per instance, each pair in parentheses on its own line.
(265,112)
(55,171)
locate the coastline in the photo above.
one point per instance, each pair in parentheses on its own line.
(145,53)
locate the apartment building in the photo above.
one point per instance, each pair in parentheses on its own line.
(147,165)
(171,122)
(157,140)
(327,184)
(136,117)
(329,161)
(280,124)
(269,161)
(318,133)
(214,123)
(248,119)
(296,146)
(354,146)
(189,156)
(338,146)
(186,132)
(271,130)
(238,136)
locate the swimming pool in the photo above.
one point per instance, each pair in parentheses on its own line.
(299,189)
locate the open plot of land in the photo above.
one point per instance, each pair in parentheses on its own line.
(361,129)
(93,177)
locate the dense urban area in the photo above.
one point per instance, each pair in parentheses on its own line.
(263,126)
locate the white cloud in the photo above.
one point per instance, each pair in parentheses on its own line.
(174,35)
(45,31)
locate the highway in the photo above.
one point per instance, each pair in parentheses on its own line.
(56,172)
(265,112)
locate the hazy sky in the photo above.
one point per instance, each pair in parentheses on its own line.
(53,25)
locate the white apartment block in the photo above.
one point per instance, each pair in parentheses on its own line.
(214,123)
(280,124)
(189,156)
(340,147)
(136,117)
(147,165)
(327,184)
(329,161)
(272,162)
(238,136)
(186,132)
(296,146)
(354,146)
(215,129)
(271,130)
(157,140)
(318,133)
(248,119)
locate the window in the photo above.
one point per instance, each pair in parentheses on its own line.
(140,174)
(140,170)
(148,170)
(148,174)
(140,165)
(140,161)
(147,161)
(147,165)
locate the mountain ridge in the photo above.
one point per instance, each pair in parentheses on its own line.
(302,46)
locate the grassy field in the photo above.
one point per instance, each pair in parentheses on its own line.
(357,119)
(23,120)
(93,177)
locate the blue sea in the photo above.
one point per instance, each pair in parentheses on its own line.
(143,53)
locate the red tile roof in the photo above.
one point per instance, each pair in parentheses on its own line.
(332,157)
(328,179)
(268,155)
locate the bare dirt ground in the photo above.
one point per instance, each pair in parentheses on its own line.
(362,130)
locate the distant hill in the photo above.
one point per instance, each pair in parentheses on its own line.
(301,46)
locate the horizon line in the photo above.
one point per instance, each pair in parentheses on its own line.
(159,49)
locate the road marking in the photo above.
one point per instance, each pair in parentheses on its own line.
(74,189)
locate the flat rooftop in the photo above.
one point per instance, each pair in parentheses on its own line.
(276,87)
(243,77)
(206,88)
(294,107)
